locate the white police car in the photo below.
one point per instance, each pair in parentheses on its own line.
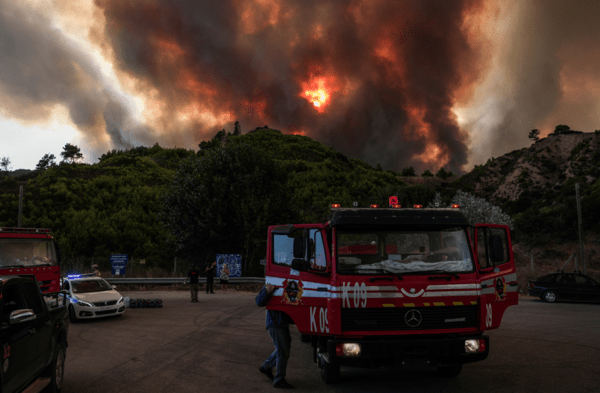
(91,297)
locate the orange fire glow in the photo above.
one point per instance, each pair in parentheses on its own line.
(420,129)
(298,132)
(257,15)
(318,91)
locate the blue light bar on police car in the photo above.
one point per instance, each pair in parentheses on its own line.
(72,276)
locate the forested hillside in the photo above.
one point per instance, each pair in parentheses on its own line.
(113,206)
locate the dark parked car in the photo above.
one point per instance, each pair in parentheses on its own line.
(564,286)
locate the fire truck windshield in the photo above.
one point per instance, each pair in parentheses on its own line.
(27,253)
(399,252)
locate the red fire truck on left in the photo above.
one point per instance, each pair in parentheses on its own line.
(30,251)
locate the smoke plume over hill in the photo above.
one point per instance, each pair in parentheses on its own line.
(421,83)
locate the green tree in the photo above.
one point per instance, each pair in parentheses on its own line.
(45,162)
(478,210)
(223,201)
(5,163)
(410,171)
(427,173)
(237,129)
(442,174)
(561,128)
(71,153)
(534,135)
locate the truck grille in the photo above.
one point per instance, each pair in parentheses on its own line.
(395,318)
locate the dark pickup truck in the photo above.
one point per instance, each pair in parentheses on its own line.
(34,336)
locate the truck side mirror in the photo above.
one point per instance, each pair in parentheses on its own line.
(496,248)
(299,264)
(20,316)
(299,247)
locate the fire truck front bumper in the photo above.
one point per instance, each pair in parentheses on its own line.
(396,352)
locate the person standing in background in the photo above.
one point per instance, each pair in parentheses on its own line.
(210,276)
(193,275)
(224,278)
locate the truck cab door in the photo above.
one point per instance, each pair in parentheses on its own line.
(15,340)
(299,266)
(497,273)
(40,340)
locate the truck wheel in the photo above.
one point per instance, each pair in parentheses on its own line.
(450,371)
(329,372)
(305,338)
(72,316)
(549,296)
(56,371)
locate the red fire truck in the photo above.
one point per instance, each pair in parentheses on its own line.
(393,287)
(30,251)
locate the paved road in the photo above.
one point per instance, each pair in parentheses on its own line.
(218,344)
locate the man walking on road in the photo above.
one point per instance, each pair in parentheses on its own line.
(278,325)
(210,276)
(193,275)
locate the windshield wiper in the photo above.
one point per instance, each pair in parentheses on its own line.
(383,270)
(441,275)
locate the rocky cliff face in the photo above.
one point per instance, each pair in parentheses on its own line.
(539,171)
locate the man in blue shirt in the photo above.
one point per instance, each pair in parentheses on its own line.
(278,325)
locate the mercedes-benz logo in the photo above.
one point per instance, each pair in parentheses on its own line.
(413,318)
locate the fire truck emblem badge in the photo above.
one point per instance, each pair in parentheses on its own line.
(500,288)
(413,318)
(292,292)
(412,292)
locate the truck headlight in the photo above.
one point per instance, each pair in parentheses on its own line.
(474,345)
(347,349)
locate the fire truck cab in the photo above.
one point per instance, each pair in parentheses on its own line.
(30,251)
(393,287)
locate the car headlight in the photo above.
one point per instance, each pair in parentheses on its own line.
(121,300)
(82,303)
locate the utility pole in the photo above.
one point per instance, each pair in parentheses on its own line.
(20,206)
(581,248)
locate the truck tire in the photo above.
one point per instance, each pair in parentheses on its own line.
(72,316)
(56,370)
(329,372)
(449,371)
(549,296)
(305,338)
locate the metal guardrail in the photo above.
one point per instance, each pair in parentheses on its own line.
(180,280)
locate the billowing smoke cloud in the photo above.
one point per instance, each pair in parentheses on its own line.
(545,72)
(373,79)
(40,69)
(426,83)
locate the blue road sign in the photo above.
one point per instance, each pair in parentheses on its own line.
(234,263)
(118,264)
